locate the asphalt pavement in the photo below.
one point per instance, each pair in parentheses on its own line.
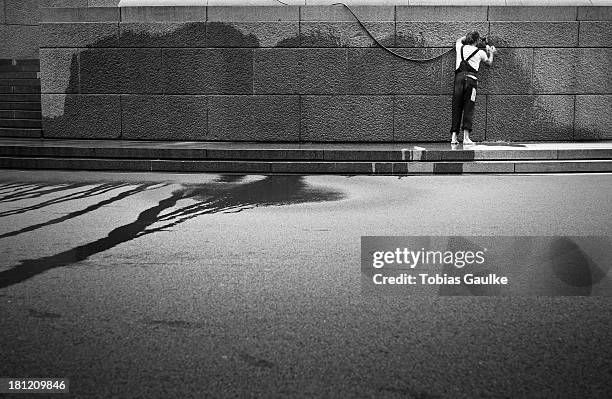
(141,285)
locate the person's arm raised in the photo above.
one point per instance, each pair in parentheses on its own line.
(491,50)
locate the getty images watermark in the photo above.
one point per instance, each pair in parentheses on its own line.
(410,259)
(487,265)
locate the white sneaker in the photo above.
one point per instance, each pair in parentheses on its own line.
(454,140)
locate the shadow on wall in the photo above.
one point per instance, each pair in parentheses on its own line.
(98,70)
(226,195)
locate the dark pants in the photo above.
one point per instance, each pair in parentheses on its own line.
(464,100)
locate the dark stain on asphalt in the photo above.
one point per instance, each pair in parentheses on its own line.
(408,392)
(230,178)
(212,197)
(568,269)
(222,197)
(176,323)
(574,267)
(256,361)
(43,315)
(269,191)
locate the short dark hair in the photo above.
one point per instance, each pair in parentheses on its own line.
(472,38)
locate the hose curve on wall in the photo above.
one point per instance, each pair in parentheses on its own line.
(382,45)
(386,48)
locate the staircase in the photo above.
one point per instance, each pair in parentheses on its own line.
(328,158)
(20,114)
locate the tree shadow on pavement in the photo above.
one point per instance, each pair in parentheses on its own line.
(40,189)
(101,189)
(215,197)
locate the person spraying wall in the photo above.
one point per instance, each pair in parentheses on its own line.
(470,54)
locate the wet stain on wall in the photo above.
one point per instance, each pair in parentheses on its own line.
(202,59)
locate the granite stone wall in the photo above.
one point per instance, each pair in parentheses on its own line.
(19,29)
(19,19)
(311,73)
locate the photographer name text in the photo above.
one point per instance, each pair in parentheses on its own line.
(405,258)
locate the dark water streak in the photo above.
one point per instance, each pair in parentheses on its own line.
(210,198)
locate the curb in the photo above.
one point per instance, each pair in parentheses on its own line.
(312,167)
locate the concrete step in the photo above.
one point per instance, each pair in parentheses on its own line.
(384,158)
(20,86)
(19,90)
(20,132)
(21,123)
(17,114)
(20,75)
(20,106)
(19,98)
(311,167)
(24,65)
(19,82)
(330,152)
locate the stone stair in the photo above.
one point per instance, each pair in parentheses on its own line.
(20,114)
(325,158)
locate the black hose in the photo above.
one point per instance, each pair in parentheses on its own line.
(386,48)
